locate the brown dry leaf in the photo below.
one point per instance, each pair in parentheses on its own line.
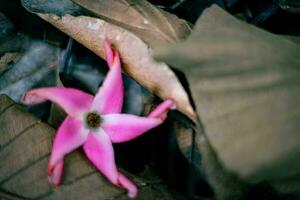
(135,54)
(6,59)
(25,144)
(245,84)
(148,22)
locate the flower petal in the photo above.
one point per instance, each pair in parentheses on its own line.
(162,109)
(73,101)
(109,98)
(125,127)
(70,135)
(100,152)
(55,173)
(128,184)
(109,53)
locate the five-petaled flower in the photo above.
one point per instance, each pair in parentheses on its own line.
(96,122)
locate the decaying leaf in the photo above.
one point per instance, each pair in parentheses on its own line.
(135,54)
(245,84)
(6,59)
(25,144)
(58,7)
(150,23)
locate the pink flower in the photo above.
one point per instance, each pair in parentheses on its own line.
(95,123)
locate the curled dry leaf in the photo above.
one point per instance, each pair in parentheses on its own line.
(245,83)
(150,23)
(136,55)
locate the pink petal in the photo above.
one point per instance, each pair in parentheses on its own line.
(70,135)
(100,152)
(125,127)
(129,185)
(109,98)
(55,172)
(162,109)
(73,101)
(109,53)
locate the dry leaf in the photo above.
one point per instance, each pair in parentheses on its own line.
(135,54)
(245,84)
(25,144)
(6,59)
(148,22)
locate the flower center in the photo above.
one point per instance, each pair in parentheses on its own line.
(93,120)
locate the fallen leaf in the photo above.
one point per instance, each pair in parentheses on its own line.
(6,59)
(245,84)
(151,24)
(58,7)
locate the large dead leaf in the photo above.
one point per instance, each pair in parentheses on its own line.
(25,146)
(150,23)
(135,54)
(245,83)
